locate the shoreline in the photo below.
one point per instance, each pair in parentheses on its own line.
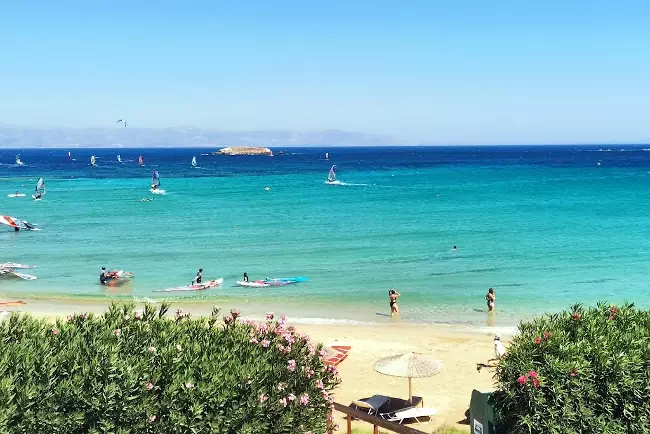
(52,307)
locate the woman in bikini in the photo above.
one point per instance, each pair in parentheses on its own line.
(491,297)
(392,297)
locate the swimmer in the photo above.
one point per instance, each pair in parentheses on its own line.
(267,188)
(491,297)
(453,249)
(392,297)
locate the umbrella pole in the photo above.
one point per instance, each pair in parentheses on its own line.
(410,393)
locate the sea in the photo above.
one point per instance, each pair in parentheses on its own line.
(545,226)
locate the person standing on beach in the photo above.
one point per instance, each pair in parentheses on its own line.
(491,297)
(392,297)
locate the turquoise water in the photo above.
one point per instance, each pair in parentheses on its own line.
(544,235)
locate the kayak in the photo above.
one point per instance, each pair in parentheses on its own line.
(16,195)
(254,284)
(196,287)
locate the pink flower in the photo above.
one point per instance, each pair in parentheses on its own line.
(281,387)
(283,320)
(152,349)
(228,320)
(70,318)
(138,315)
(179,312)
(254,341)
(269,316)
(283,401)
(53,331)
(319,384)
(535,383)
(573,373)
(532,374)
(304,399)
(149,386)
(575,316)
(266,343)
(117,332)
(547,335)
(613,309)
(189,385)
(522,380)
(235,314)
(611,317)
(292,365)
(291,397)
(152,419)
(287,337)
(538,341)
(325,394)
(263,398)
(322,352)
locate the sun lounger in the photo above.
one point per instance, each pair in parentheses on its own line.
(411,413)
(372,404)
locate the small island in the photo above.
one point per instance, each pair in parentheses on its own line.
(245,150)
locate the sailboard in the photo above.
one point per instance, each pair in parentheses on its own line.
(93,161)
(39,191)
(193,161)
(69,155)
(155,183)
(140,161)
(19,161)
(17,224)
(195,287)
(119,158)
(331,176)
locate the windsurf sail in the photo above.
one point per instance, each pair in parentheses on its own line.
(155,179)
(40,188)
(193,161)
(122,121)
(16,223)
(331,177)
(119,159)
(140,160)
(327,155)
(18,161)
(69,155)
(92,160)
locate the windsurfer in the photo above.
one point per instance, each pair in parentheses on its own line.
(198,277)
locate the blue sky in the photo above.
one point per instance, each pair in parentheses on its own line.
(429,71)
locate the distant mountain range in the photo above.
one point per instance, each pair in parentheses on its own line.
(39,137)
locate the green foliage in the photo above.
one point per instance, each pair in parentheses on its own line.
(138,372)
(579,371)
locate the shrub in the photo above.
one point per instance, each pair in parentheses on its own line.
(579,371)
(138,372)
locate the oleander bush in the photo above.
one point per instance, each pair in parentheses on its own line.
(140,372)
(586,370)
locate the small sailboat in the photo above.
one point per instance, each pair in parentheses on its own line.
(39,191)
(119,159)
(331,177)
(93,161)
(69,155)
(18,161)
(140,161)
(155,183)
(327,155)
(193,161)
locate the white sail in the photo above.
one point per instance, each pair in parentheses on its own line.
(92,160)
(119,159)
(193,161)
(18,161)
(331,177)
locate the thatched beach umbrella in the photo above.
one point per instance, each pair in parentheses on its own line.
(410,365)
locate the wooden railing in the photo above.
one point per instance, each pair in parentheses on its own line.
(377,422)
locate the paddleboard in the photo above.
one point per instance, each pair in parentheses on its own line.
(36,198)
(211,284)
(16,195)
(157,191)
(257,284)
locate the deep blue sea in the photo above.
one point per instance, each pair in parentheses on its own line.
(545,226)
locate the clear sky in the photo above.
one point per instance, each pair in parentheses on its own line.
(462,71)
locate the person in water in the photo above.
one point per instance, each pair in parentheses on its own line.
(102,276)
(199,277)
(392,297)
(453,249)
(491,297)
(245,277)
